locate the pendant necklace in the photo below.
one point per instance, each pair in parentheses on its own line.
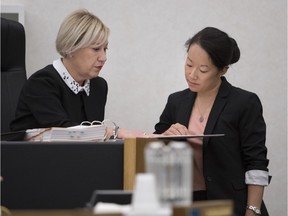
(210,99)
(201,117)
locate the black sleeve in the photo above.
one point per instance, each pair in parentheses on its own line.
(252,129)
(166,118)
(40,103)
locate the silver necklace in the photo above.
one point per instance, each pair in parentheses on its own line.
(201,117)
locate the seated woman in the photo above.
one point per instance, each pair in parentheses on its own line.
(68,91)
(233,166)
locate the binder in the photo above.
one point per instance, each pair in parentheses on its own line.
(86,131)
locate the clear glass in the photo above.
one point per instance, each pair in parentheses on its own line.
(181,173)
(171,165)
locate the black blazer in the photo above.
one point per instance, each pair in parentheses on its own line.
(46,101)
(237,114)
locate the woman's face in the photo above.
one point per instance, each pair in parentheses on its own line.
(86,63)
(201,74)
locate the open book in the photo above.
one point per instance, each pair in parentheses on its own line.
(76,133)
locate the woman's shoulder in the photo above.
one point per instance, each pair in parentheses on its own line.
(244,97)
(236,92)
(243,93)
(47,71)
(46,76)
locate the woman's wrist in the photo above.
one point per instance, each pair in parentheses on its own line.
(112,133)
(254,209)
(112,129)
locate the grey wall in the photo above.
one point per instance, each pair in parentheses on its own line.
(146,59)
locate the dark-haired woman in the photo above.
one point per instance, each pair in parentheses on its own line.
(233,166)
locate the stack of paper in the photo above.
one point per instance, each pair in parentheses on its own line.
(76,133)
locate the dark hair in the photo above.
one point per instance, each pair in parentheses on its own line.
(222,49)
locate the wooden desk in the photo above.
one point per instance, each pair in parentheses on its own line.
(206,208)
(134,159)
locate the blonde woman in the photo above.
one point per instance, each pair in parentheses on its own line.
(69,90)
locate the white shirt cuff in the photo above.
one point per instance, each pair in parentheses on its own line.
(257,177)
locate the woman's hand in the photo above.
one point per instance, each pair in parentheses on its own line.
(109,133)
(176,129)
(125,133)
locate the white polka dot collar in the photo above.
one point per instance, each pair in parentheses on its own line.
(68,79)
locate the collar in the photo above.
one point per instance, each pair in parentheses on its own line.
(218,106)
(68,79)
(225,88)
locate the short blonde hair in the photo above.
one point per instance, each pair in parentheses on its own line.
(80,29)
